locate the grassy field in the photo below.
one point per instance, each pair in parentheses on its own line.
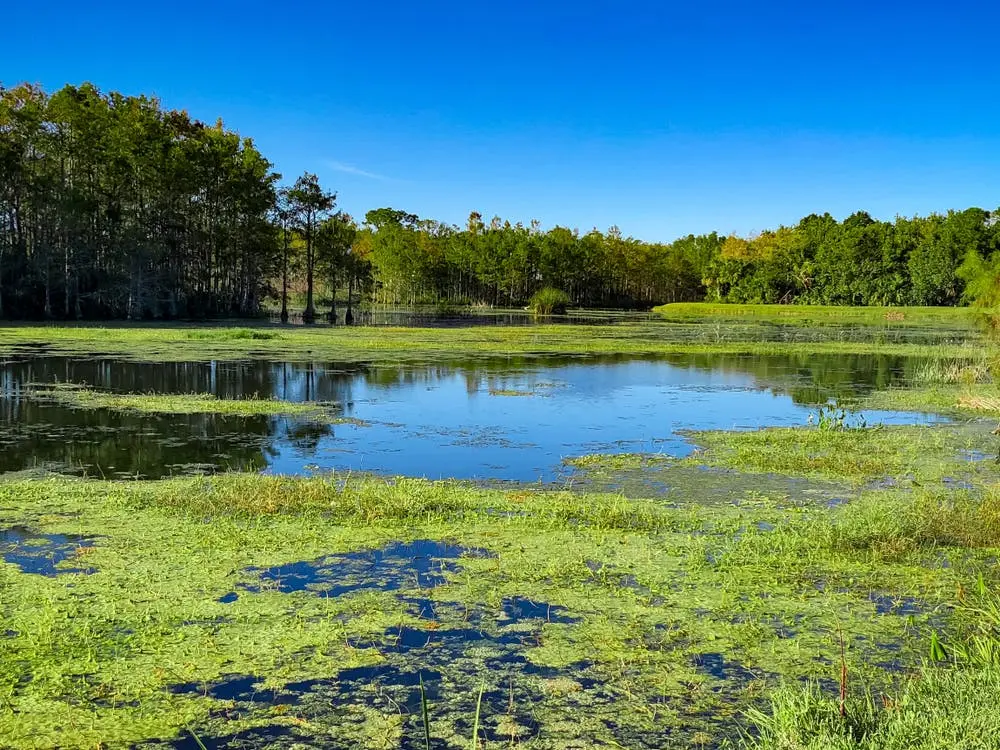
(959,317)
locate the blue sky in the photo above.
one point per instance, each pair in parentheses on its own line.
(663,118)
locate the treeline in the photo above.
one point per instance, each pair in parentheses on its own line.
(111,206)
(934,260)
(503,264)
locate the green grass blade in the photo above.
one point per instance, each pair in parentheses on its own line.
(197,739)
(425,714)
(479,708)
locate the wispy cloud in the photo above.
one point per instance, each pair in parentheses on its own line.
(339,166)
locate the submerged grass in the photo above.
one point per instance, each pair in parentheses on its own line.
(181,403)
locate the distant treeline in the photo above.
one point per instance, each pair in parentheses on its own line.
(111,206)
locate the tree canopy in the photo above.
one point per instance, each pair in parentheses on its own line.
(112,206)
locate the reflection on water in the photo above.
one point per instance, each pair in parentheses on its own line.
(512,418)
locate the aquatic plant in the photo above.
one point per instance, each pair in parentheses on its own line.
(82,397)
(232,334)
(549,301)
(833,417)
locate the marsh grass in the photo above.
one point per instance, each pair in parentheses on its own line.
(905,453)
(978,371)
(893,524)
(942,705)
(826,314)
(549,301)
(232,334)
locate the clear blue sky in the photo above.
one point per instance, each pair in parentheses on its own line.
(663,118)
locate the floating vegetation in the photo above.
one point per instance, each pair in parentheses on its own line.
(183,403)
(642,601)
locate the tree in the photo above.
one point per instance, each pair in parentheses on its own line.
(334,240)
(310,205)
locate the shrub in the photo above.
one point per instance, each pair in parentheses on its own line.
(549,301)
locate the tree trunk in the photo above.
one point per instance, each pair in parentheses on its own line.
(349,317)
(284,283)
(333,299)
(309,316)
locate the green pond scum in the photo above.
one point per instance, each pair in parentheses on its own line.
(825,586)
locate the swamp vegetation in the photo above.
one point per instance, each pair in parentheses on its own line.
(793,583)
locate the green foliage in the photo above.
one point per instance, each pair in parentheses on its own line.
(549,301)
(115,207)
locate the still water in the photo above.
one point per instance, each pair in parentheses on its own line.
(502,419)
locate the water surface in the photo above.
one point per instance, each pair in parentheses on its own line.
(502,419)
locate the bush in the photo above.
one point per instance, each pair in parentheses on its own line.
(549,301)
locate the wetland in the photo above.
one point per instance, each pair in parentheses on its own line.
(635,533)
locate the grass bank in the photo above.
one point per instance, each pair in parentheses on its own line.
(958,317)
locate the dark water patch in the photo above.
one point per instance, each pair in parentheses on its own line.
(716,665)
(954,483)
(421,564)
(241,688)
(454,652)
(976,455)
(260,737)
(519,609)
(40,554)
(886,604)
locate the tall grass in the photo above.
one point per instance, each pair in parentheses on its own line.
(954,372)
(952,704)
(549,301)
(889,525)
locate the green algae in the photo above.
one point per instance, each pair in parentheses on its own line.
(646,594)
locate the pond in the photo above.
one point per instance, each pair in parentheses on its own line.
(511,419)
